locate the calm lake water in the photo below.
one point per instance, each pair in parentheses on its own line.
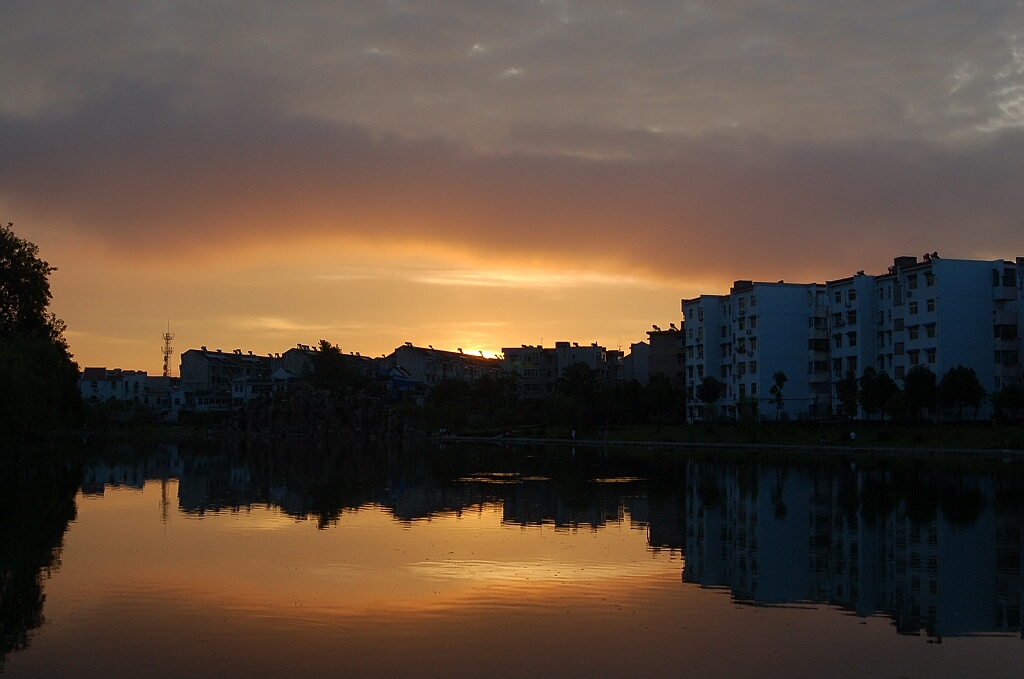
(481,561)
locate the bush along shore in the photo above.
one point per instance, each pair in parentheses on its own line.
(315,416)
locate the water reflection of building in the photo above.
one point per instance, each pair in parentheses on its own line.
(947,563)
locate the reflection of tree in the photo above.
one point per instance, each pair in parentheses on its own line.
(36,505)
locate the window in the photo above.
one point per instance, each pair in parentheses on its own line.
(743,390)
(700,372)
(881,317)
(851,296)
(915,331)
(930,330)
(725,331)
(913,357)
(753,344)
(851,363)
(851,338)
(689,371)
(753,300)
(851,317)
(839,297)
(898,324)
(913,308)
(753,388)
(929,305)
(899,349)
(753,322)
(742,323)
(689,333)
(912,282)
(930,355)
(743,304)
(881,294)
(753,367)
(929,279)
(838,339)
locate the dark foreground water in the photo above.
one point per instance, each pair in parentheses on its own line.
(163,562)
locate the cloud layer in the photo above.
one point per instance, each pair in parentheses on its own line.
(466,162)
(136,167)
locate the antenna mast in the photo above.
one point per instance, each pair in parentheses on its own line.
(168,336)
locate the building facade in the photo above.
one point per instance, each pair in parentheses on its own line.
(932,312)
(744,338)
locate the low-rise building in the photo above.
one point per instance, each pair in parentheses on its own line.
(537,368)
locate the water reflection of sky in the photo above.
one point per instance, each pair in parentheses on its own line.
(491,587)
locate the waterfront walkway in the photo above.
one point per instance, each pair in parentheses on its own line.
(1004,455)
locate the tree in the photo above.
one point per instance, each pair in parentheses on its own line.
(39,377)
(960,388)
(1008,401)
(776,392)
(336,372)
(847,391)
(919,391)
(875,390)
(709,392)
(24,288)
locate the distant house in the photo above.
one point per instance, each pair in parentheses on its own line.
(667,354)
(428,366)
(537,368)
(216,380)
(100,384)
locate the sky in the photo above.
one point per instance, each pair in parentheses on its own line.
(483,174)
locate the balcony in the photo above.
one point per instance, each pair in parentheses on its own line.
(1004,293)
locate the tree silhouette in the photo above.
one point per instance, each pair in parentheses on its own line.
(709,392)
(39,377)
(961,388)
(847,391)
(776,392)
(920,391)
(876,389)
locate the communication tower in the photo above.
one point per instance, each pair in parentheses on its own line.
(168,336)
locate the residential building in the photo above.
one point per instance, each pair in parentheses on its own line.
(216,380)
(428,366)
(668,354)
(744,338)
(936,312)
(537,368)
(100,384)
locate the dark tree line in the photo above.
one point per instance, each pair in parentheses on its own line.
(581,399)
(923,394)
(36,368)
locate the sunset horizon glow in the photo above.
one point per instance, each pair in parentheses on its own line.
(478,177)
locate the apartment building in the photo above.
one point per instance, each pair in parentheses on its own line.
(537,368)
(759,329)
(667,355)
(936,312)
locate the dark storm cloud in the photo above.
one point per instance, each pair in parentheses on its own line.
(141,167)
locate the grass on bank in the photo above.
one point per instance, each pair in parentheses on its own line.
(966,435)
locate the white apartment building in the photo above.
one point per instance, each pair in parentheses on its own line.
(757,330)
(936,312)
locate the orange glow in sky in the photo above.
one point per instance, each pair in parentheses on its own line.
(488,176)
